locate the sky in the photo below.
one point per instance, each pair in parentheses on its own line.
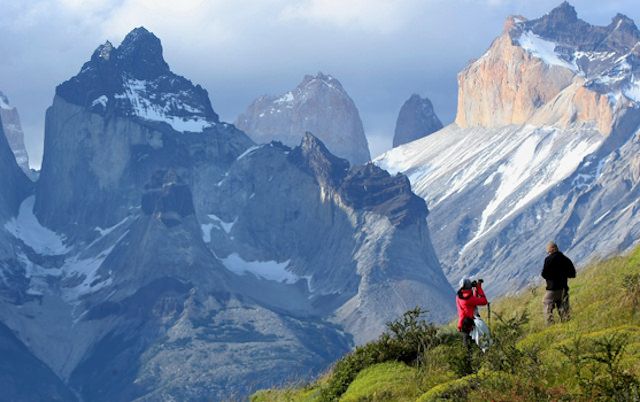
(382,51)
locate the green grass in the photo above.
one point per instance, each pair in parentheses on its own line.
(390,381)
(530,361)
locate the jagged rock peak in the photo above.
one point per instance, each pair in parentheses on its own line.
(4,102)
(373,189)
(564,13)
(563,26)
(134,80)
(314,157)
(416,119)
(326,79)
(13,130)
(318,104)
(141,53)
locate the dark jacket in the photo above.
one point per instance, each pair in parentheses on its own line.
(557,269)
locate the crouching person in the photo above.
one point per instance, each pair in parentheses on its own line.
(469,297)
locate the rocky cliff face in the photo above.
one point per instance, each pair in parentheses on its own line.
(416,119)
(555,70)
(13,131)
(13,181)
(23,377)
(541,149)
(158,262)
(320,105)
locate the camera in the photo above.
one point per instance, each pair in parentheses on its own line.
(475,283)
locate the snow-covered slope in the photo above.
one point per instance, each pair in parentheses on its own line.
(542,115)
(512,165)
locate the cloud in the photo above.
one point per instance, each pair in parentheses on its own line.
(202,20)
(381,50)
(369,15)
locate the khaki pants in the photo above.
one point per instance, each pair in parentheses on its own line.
(556,299)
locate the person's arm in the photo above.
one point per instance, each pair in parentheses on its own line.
(571,269)
(479,298)
(546,271)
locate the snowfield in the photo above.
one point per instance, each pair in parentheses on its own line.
(516,164)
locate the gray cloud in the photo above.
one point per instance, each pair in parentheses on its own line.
(381,50)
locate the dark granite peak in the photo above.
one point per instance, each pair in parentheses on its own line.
(564,13)
(416,119)
(373,189)
(133,79)
(562,26)
(141,54)
(313,157)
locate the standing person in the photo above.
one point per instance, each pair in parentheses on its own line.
(469,297)
(557,269)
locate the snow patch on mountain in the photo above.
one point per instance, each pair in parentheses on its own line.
(101,100)
(87,270)
(286,98)
(269,270)
(141,93)
(632,90)
(27,228)
(543,49)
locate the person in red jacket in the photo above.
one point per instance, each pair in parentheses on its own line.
(469,297)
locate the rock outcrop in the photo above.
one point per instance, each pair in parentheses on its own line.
(319,104)
(13,131)
(416,119)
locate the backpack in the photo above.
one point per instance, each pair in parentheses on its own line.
(481,334)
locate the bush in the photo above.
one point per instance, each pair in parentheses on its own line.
(597,366)
(504,355)
(405,340)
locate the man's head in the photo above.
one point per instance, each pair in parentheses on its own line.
(552,247)
(465,283)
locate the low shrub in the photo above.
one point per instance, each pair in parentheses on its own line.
(406,340)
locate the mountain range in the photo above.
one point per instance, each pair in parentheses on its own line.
(164,255)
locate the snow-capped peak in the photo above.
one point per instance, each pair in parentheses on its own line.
(133,80)
(606,56)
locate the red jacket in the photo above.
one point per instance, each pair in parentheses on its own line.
(467,301)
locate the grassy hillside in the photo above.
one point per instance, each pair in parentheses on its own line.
(594,356)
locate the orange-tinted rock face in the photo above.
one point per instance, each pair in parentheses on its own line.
(506,86)
(509,85)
